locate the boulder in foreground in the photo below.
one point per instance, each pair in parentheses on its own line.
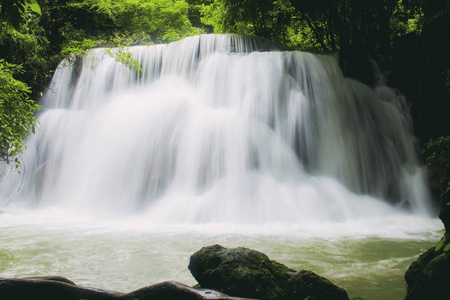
(59,288)
(248,273)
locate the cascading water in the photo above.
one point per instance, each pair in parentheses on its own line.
(219,128)
(220,139)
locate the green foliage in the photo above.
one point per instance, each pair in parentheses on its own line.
(325,25)
(447,248)
(266,18)
(97,6)
(22,44)
(195,14)
(74,48)
(437,151)
(12,12)
(16,113)
(162,20)
(213,15)
(70,24)
(440,244)
(116,24)
(406,19)
(122,55)
(26,46)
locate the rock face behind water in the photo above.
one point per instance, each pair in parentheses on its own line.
(248,273)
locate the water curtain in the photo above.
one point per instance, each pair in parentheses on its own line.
(219,128)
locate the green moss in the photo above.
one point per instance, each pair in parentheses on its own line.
(447,247)
(440,244)
(437,258)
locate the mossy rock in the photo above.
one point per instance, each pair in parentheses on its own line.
(244,272)
(429,276)
(305,284)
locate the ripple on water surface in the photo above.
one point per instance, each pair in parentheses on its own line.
(367,258)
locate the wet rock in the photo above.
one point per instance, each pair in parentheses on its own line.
(172,290)
(58,288)
(51,278)
(429,276)
(43,288)
(305,284)
(245,272)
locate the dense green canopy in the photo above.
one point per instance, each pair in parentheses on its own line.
(324,25)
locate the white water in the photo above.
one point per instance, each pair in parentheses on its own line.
(206,135)
(214,141)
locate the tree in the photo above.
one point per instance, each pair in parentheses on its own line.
(12,12)
(16,113)
(265,18)
(195,14)
(323,25)
(16,108)
(160,20)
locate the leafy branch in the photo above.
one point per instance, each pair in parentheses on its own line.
(122,55)
(16,113)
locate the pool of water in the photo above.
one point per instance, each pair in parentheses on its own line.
(367,258)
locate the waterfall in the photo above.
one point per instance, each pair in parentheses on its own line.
(218,128)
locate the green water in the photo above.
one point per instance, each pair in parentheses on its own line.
(124,257)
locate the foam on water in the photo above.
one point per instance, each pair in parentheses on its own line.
(366,257)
